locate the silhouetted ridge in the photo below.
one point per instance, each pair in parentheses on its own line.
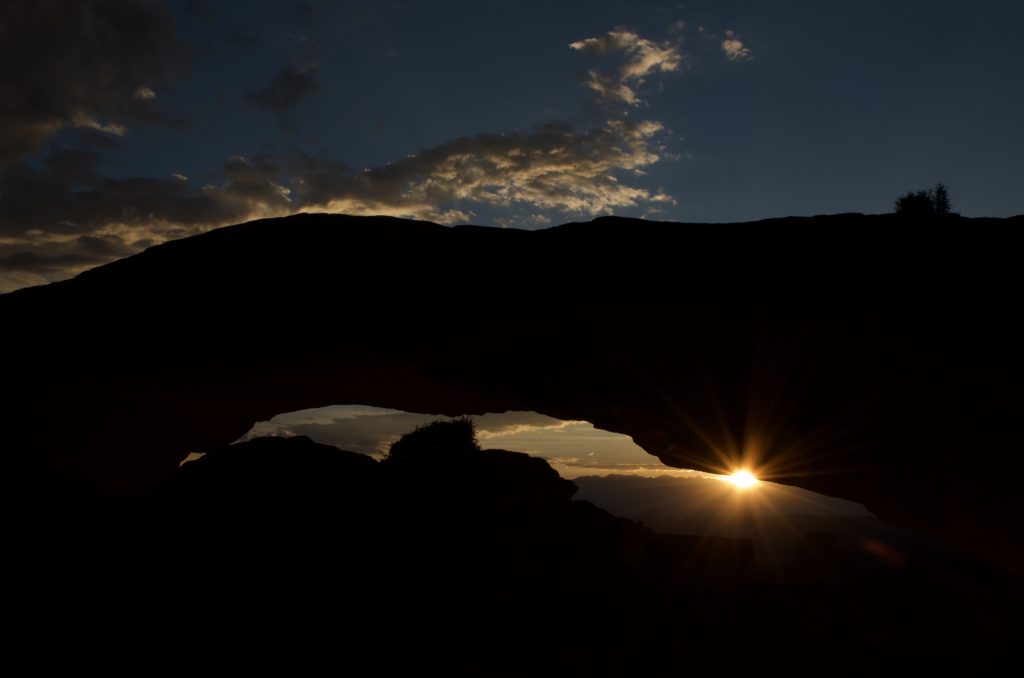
(874,358)
(883,349)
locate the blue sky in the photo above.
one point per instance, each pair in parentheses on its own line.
(130,122)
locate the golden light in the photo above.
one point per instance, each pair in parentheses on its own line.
(743,479)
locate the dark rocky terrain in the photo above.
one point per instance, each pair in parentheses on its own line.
(285,557)
(873,358)
(796,536)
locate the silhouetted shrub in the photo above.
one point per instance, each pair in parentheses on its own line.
(437,442)
(925,203)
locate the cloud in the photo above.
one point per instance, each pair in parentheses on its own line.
(86,64)
(77,253)
(290,85)
(368,433)
(640,58)
(553,167)
(503,426)
(66,216)
(285,91)
(734,48)
(47,212)
(69,197)
(571,468)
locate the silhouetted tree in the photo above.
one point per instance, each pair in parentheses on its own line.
(437,442)
(916,204)
(924,203)
(940,199)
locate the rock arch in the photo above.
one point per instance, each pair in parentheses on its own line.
(865,357)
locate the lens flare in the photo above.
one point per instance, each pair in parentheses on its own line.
(743,479)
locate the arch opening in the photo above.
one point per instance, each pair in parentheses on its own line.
(615,474)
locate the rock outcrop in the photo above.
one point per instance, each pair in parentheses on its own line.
(866,357)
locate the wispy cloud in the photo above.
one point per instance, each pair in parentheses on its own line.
(734,47)
(570,468)
(512,429)
(640,58)
(285,91)
(289,86)
(553,167)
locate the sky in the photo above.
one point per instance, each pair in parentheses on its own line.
(573,448)
(126,123)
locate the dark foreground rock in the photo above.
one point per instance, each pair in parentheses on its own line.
(285,557)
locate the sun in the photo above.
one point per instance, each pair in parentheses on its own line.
(743,479)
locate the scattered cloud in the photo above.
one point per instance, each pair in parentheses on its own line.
(74,253)
(66,216)
(734,47)
(571,468)
(640,58)
(289,88)
(17,279)
(53,217)
(69,198)
(89,64)
(370,431)
(553,167)
(510,430)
